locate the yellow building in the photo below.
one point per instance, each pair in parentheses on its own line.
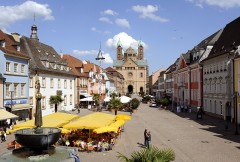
(133,67)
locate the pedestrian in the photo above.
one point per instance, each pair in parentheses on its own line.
(145,137)
(74,154)
(149,139)
(3,135)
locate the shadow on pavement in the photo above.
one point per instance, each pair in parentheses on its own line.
(141,145)
(221,128)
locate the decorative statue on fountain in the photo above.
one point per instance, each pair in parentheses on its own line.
(38,114)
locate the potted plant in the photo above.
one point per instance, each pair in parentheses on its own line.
(115,104)
(96,99)
(55,100)
(134,104)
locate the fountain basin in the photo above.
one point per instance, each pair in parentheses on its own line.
(31,139)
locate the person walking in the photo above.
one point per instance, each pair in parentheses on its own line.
(149,139)
(3,134)
(145,137)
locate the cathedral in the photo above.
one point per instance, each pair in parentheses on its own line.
(133,67)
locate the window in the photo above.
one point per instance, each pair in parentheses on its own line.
(8,90)
(15,67)
(55,66)
(65,84)
(30,82)
(30,100)
(15,90)
(70,99)
(47,64)
(23,69)
(8,66)
(43,82)
(22,90)
(65,100)
(43,102)
(141,75)
(51,83)
(70,84)
(3,43)
(59,83)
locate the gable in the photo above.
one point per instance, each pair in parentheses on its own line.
(129,63)
(181,64)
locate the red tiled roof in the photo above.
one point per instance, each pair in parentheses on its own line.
(9,49)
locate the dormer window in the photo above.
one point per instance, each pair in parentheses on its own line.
(46,53)
(61,67)
(53,55)
(47,64)
(39,50)
(67,68)
(18,48)
(3,43)
(55,66)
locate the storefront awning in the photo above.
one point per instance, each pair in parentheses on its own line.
(4,115)
(18,107)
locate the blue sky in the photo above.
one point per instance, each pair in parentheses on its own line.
(167,28)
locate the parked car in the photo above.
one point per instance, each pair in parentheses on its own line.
(153,104)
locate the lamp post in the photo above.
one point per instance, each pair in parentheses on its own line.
(99,78)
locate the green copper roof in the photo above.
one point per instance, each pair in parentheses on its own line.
(117,63)
(142,62)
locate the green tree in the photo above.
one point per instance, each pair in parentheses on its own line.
(115,104)
(113,95)
(135,103)
(151,154)
(96,98)
(55,100)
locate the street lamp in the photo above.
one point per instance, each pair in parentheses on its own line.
(99,78)
(11,99)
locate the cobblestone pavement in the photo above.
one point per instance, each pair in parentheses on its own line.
(192,140)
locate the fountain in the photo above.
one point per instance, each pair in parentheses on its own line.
(37,138)
(36,142)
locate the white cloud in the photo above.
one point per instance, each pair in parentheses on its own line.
(199,5)
(148,12)
(26,10)
(122,23)
(94,29)
(91,53)
(219,3)
(86,52)
(105,19)
(126,41)
(109,12)
(108,59)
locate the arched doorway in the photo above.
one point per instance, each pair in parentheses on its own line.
(130,89)
(141,89)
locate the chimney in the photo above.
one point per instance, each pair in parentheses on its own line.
(16,37)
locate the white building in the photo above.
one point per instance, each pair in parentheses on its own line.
(54,75)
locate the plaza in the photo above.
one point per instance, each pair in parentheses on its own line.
(192,140)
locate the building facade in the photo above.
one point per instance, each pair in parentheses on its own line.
(117,84)
(14,70)
(219,95)
(133,67)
